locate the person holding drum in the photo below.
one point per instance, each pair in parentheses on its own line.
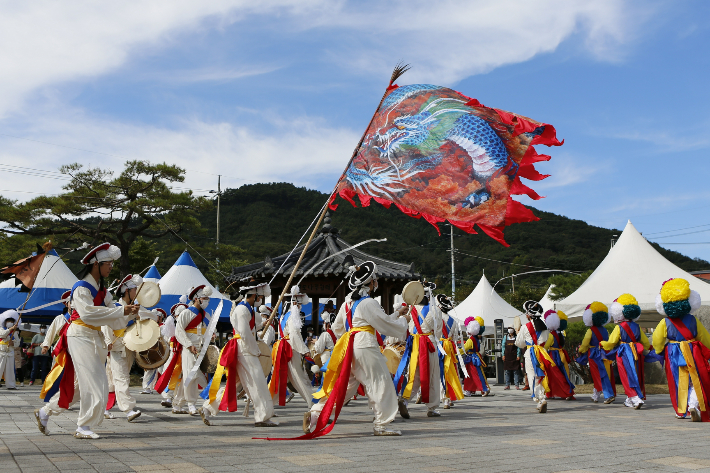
(120,357)
(190,326)
(325,343)
(361,363)
(82,346)
(287,360)
(151,375)
(248,364)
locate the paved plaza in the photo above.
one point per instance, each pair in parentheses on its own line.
(500,433)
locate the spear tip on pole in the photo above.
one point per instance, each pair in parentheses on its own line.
(399,69)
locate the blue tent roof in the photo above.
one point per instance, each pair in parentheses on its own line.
(185,260)
(152,273)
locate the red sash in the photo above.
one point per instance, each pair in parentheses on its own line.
(425,347)
(349,316)
(279,378)
(164,378)
(332,335)
(228,359)
(532,332)
(66,385)
(680,326)
(598,334)
(628,331)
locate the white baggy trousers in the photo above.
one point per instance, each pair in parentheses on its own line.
(369,368)
(253,381)
(121,371)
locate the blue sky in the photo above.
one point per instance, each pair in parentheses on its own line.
(281,91)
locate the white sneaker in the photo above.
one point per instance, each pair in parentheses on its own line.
(595,396)
(695,414)
(147,391)
(85,433)
(542,407)
(179,410)
(193,410)
(629,402)
(205,416)
(134,414)
(108,415)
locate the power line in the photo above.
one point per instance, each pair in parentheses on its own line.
(679,229)
(681,234)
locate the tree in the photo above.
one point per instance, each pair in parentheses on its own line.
(98,207)
(566,284)
(523,292)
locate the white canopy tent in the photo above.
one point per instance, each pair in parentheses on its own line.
(180,278)
(632,266)
(546,302)
(486,303)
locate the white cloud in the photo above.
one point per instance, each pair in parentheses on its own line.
(301,151)
(48,42)
(43,43)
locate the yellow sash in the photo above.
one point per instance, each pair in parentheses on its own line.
(219,372)
(451,376)
(336,361)
(54,374)
(80,323)
(683,373)
(541,353)
(4,342)
(119,333)
(195,330)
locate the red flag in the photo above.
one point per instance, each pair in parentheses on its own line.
(437,154)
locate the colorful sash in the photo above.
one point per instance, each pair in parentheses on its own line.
(227,366)
(335,384)
(416,355)
(544,366)
(449,375)
(560,356)
(686,360)
(61,377)
(281,355)
(630,361)
(474,364)
(600,366)
(172,373)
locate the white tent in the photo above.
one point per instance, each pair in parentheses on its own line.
(180,278)
(632,266)
(485,302)
(152,275)
(53,279)
(546,302)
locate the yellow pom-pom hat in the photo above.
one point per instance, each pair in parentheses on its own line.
(677,299)
(596,314)
(625,307)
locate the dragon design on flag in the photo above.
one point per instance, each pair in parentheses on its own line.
(436,153)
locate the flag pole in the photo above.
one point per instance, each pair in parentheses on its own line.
(396,73)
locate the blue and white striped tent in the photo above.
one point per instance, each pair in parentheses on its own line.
(180,278)
(152,275)
(53,279)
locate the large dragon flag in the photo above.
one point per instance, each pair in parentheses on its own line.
(437,154)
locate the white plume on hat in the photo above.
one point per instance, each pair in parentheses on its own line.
(183,299)
(135,281)
(587,317)
(616,311)
(552,320)
(294,321)
(111,254)
(264,311)
(315,369)
(473,328)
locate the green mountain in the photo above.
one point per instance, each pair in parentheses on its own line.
(268,219)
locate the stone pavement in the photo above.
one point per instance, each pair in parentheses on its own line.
(500,433)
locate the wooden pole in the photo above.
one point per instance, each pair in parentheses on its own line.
(398,71)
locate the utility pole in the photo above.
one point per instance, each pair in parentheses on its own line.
(219,194)
(453,272)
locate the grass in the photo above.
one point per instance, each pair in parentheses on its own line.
(650,389)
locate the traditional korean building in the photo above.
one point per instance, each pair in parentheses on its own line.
(325,272)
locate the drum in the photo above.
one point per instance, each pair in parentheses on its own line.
(314,356)
(142,335)
(413,292)
(265,357)
(148,294)
(154,357)
(393,355)
(210,360)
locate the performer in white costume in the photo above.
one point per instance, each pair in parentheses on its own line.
(247,363)
(288,359)
(326,341)
(92,309)
(151,376)
(9,320)
(356,325)
(427,322)
(190,326)
(167,331)
(121,358)
(526,340)
(57,324)
(267,335)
